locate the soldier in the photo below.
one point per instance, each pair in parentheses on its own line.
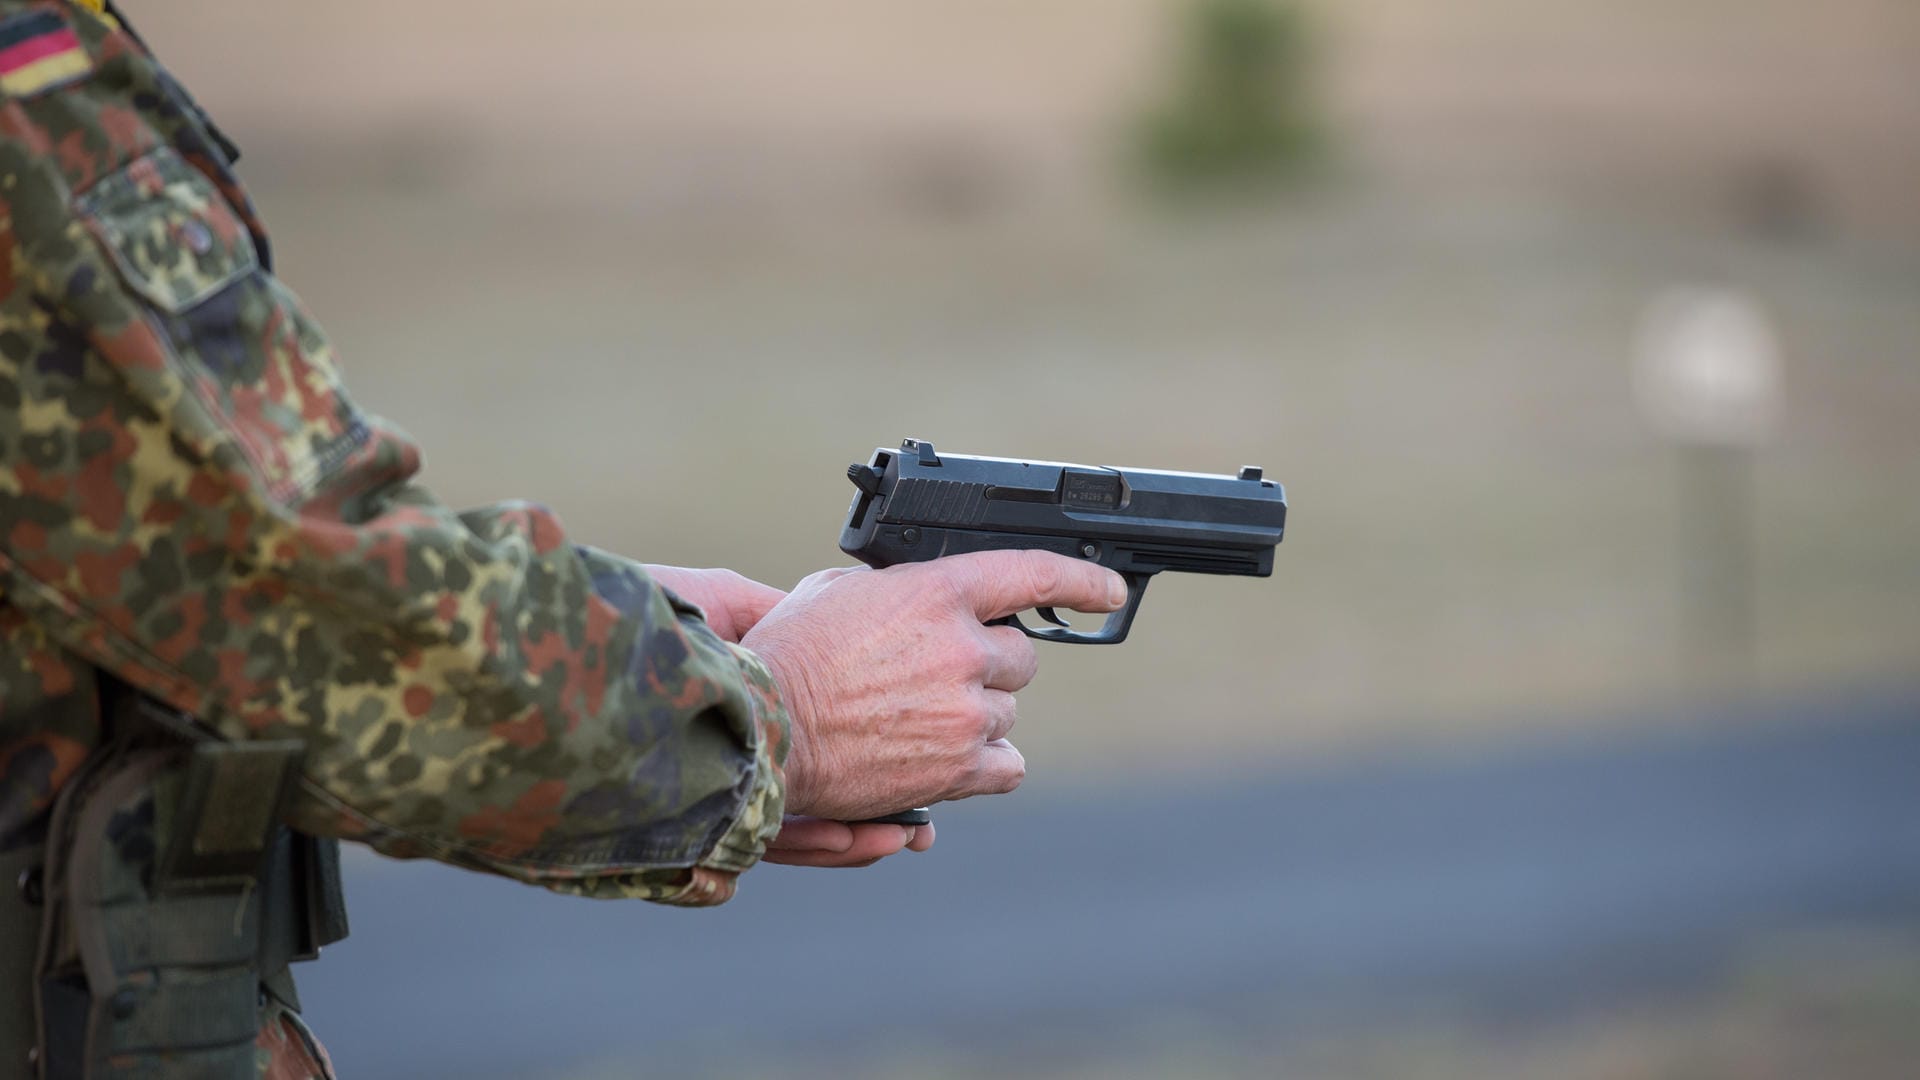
(234,628)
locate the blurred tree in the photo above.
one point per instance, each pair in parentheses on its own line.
(1241,112)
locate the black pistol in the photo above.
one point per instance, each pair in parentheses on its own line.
(915,504)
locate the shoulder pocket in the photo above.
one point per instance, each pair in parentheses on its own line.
(172,236)
(240,342)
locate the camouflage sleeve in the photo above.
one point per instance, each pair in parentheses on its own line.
(189,499)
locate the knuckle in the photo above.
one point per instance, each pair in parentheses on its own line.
(1043,575)
(970,658)
(951,586)
(988,716)
(983,721)
(1016,654)
(1028,661)
(998,769)
(1011,778)
(979,649)
(1009,716)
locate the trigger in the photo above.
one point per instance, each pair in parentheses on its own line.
(1048,614)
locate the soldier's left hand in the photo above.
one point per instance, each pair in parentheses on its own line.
(811,841)
(732,602)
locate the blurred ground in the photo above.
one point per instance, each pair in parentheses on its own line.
(669,268)
(1769,1021)
(1634,905)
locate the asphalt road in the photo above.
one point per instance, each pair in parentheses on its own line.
(1508,881)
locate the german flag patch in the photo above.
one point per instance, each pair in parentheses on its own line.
(38,51)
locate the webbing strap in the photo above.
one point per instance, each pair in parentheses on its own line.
(228,814)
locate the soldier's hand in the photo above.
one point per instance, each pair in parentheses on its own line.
(900,697)
(732,603)
(806,841)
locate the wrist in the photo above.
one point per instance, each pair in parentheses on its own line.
(800,767)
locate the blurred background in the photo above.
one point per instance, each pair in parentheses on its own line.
(1576,733)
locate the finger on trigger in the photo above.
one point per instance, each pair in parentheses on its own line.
(1004,582)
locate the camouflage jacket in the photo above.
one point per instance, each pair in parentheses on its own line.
(191,503)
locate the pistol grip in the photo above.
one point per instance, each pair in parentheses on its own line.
(1112,632)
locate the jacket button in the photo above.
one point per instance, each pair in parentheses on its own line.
(198,236)
(32,883)
(124,1003)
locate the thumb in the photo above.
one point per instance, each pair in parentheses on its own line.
(754,600)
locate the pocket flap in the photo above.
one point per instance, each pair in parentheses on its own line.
(172,235)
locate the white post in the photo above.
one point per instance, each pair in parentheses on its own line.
(1707,376)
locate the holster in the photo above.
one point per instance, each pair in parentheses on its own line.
(174,901)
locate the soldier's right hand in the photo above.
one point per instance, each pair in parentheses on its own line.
(900,696)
